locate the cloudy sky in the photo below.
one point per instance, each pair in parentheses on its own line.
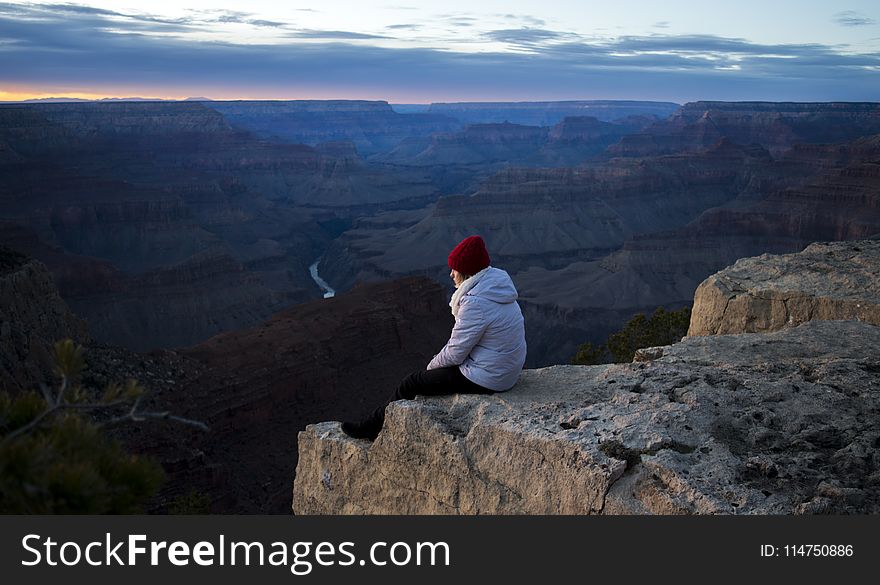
(418,52)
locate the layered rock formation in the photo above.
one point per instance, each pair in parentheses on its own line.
(837,199)
(476,144)
(170,306)
(552,217)
(826,281)
(576,139)
(591,246)
(176,217)
(775,126)
(570,142)
(373,126)
(140,194)
(549,113)
(32,318)
(752,423)
(537,221)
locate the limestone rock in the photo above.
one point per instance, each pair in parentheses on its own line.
(776,423)
(827,280)
(648,354)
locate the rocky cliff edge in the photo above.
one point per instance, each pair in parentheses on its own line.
(782,422)
(32,318)
(826,281)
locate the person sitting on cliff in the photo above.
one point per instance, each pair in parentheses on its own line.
(487,348)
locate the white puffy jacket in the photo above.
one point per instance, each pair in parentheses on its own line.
(488,341)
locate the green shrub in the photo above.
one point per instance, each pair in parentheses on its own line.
(67,466)
(661,328)
(54,459)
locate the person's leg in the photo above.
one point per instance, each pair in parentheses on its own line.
(437,382)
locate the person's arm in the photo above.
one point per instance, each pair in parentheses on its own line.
(469,328)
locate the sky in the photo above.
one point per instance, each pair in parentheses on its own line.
(422,52)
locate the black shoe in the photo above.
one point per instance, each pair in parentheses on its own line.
(366,429)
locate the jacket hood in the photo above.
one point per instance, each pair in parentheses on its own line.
(495,285)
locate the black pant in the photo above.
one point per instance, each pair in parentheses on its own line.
(438,382)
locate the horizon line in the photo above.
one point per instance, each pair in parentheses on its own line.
(136,99)
(111,98)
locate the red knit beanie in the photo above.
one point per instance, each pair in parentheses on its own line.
(469,256)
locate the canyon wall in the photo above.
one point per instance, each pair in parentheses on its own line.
(549,113)
(372,126)
(32,318)
(191,212)
(184,225)
(570,142)
(776,126)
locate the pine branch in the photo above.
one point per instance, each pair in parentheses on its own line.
(68,359)
(54,409)
(133,415)
(140,416)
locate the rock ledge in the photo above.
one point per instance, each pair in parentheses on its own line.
(776,423)
(826,281)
